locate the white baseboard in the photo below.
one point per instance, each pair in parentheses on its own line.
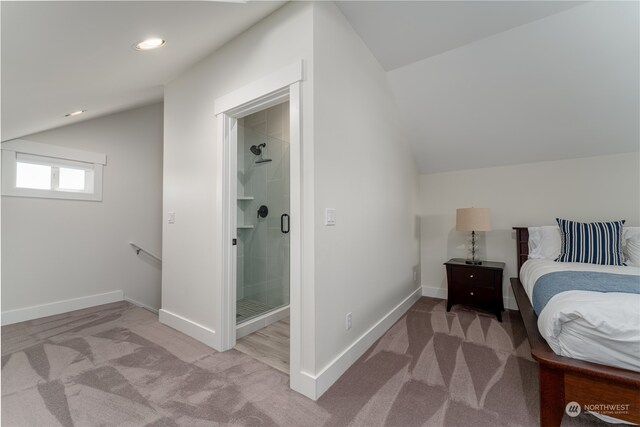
(58,307)
(433,292)
(511,304)
(303,383)
(261,321)
(189,327)
(330,374)
(139,304)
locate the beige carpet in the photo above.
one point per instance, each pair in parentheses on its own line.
(115,365)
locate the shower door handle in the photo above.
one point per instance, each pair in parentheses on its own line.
(282,217)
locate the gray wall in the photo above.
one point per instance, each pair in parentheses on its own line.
(54,250)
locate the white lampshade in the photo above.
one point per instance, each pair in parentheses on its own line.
(473,219)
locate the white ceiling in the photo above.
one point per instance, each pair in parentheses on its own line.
(401,32)
(478,83)
(484,84)
(59,57)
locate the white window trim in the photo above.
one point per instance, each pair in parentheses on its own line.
(9,157)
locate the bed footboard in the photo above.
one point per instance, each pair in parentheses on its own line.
(563,379)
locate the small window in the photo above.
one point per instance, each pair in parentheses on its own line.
(30,175)
(26,174)
(73,179)
(47,173)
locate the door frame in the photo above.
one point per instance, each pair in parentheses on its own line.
(270,90)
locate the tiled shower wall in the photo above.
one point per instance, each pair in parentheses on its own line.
(263,251)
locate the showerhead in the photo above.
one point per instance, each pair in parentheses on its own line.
(257,149)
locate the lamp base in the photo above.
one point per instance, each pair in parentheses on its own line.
(473,262)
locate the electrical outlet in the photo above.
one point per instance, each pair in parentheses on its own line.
(415,276)
(172,217)
(349,321)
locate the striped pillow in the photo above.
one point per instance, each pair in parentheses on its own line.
(593,243)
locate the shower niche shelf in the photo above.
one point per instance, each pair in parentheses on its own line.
(244,198)
(245,227)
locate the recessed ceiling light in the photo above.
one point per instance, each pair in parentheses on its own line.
(75,113)
(148,44)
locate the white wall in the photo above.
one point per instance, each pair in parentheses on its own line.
(191,277)
(364,169)
(586,189)
(365,263)
(55,250)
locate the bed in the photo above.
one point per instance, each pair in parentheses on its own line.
(564,379)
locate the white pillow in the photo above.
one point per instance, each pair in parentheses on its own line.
(631,245)
(535,237)
(544,242)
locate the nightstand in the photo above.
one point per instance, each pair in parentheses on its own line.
(476,285)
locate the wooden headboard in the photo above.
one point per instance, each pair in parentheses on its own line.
(522,242)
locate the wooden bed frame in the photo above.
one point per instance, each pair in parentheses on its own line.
(563,379)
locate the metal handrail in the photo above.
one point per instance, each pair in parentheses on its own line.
(138,249)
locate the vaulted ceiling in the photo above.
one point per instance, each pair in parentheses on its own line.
(478,83)
(399,33)
(63,56)
(483,84)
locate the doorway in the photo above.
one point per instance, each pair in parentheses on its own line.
(276,89)
(263,244)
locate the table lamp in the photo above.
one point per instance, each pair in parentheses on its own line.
(473,219)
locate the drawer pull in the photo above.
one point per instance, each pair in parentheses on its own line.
(471,293)
(471,276)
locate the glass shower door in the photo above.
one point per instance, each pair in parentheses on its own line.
(263,223)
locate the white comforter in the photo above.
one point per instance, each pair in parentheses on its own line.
(594,326)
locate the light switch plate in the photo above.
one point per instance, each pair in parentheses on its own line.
(330,216)
(172,217)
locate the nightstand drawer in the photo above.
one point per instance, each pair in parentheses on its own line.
(473,276)
(474,295)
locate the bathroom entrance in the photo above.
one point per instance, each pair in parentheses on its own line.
(259,180)
(263,243)
(263,221)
